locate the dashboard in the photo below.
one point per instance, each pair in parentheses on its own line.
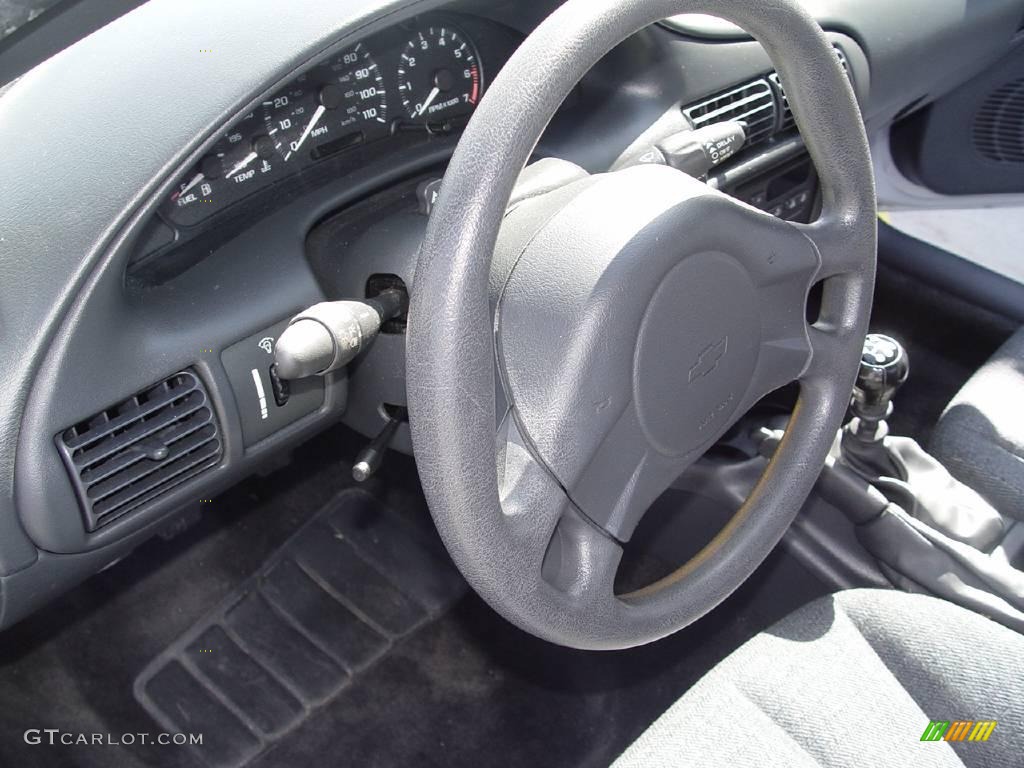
(156,237)
(426,77)
(404,87)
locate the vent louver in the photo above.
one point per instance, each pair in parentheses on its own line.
(752,104)
(998,130)
(786,119)
(128,455)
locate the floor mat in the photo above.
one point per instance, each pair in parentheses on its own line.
(463,691)
(71,665)
(333,600)
(471,690)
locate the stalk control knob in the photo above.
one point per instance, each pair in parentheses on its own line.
(329,335)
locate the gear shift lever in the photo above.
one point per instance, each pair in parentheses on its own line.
(884,367)
(898,466)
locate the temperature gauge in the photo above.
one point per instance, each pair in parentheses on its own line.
(229,172)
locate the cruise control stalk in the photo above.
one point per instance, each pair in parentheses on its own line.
(694,152)
(697,152)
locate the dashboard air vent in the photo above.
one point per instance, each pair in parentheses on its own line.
(131,453)
(786,120)
(752,104)
(999,124)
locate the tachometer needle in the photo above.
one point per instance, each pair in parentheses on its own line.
(195,180)
(312,123)
(430,100)
(241,164)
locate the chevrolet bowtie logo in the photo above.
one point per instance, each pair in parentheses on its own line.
(709,358)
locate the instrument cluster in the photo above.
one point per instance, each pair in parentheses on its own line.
(425,78)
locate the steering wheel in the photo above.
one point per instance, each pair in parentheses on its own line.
(570,357)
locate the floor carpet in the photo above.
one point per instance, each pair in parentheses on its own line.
(467,689)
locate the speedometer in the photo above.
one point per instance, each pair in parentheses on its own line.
(290,116)
(364,99)
(439,75)
(338,104)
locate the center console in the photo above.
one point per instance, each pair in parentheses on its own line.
(923,529)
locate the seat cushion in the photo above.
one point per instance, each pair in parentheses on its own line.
(852,679)
(980,436)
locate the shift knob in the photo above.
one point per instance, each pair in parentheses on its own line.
(884,366)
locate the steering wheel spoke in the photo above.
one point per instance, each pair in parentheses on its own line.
(782,360)
(624,476)
(829,348)
(560,549)
(836,240)
(532,500)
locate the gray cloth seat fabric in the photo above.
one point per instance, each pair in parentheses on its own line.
(852,679)
(980,436)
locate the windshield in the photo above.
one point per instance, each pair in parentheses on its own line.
(15,14)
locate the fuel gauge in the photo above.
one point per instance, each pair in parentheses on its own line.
(234,167)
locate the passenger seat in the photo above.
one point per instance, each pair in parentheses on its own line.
(980,435)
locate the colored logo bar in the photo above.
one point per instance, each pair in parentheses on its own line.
(958,730)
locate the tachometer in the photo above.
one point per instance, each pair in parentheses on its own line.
(439,75)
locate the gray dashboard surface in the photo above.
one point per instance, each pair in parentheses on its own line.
(918,49)
(74,184)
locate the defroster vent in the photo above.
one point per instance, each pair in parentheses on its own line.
(752,104)
(131,453)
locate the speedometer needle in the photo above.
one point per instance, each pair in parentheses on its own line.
(428,102)
(312,123)
(241,164)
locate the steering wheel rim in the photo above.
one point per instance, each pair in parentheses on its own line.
(500,527)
